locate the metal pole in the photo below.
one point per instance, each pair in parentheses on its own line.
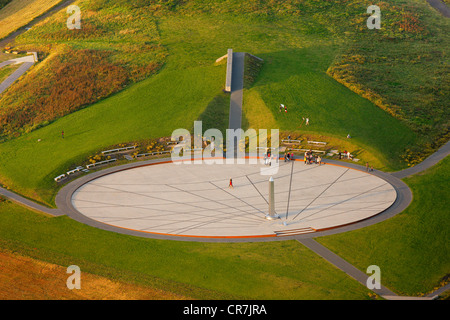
(272,214)
(290,186)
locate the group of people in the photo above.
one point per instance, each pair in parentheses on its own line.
(346,154)
(369,168)
(310,158)
(282,108)
(268,158)
(288,156)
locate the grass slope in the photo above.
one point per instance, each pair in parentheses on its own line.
(79,67)
(272,270)
(297,54)
(412,248)
(134,114)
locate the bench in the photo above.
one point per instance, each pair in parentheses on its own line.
(68,173)
(316,151)
(99,163)
(291,141)
(195,150)
(317,142)
(151,153)
(77,169)
(60,177)
(118,150)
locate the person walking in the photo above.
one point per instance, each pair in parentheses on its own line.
(231,184)
(62,134)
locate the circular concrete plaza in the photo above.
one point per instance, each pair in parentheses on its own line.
(194,200)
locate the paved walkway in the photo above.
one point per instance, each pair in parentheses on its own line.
(443,152)
(27,62)
(441,7)
(28,203)
(237,86)
(343,265)
(236,97)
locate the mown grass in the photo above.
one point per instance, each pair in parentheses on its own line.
(272,270)
(332,109)
(411,248)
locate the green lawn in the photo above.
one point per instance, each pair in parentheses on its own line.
(332,109)
(268,270)
(412,248)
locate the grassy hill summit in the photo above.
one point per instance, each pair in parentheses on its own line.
(138,70)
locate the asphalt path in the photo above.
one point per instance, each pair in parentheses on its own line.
(236,97)
(441,7)
(15,75)
(237,87)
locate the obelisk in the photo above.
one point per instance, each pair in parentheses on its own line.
(272,214)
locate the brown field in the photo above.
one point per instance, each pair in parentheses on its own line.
(23,278)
